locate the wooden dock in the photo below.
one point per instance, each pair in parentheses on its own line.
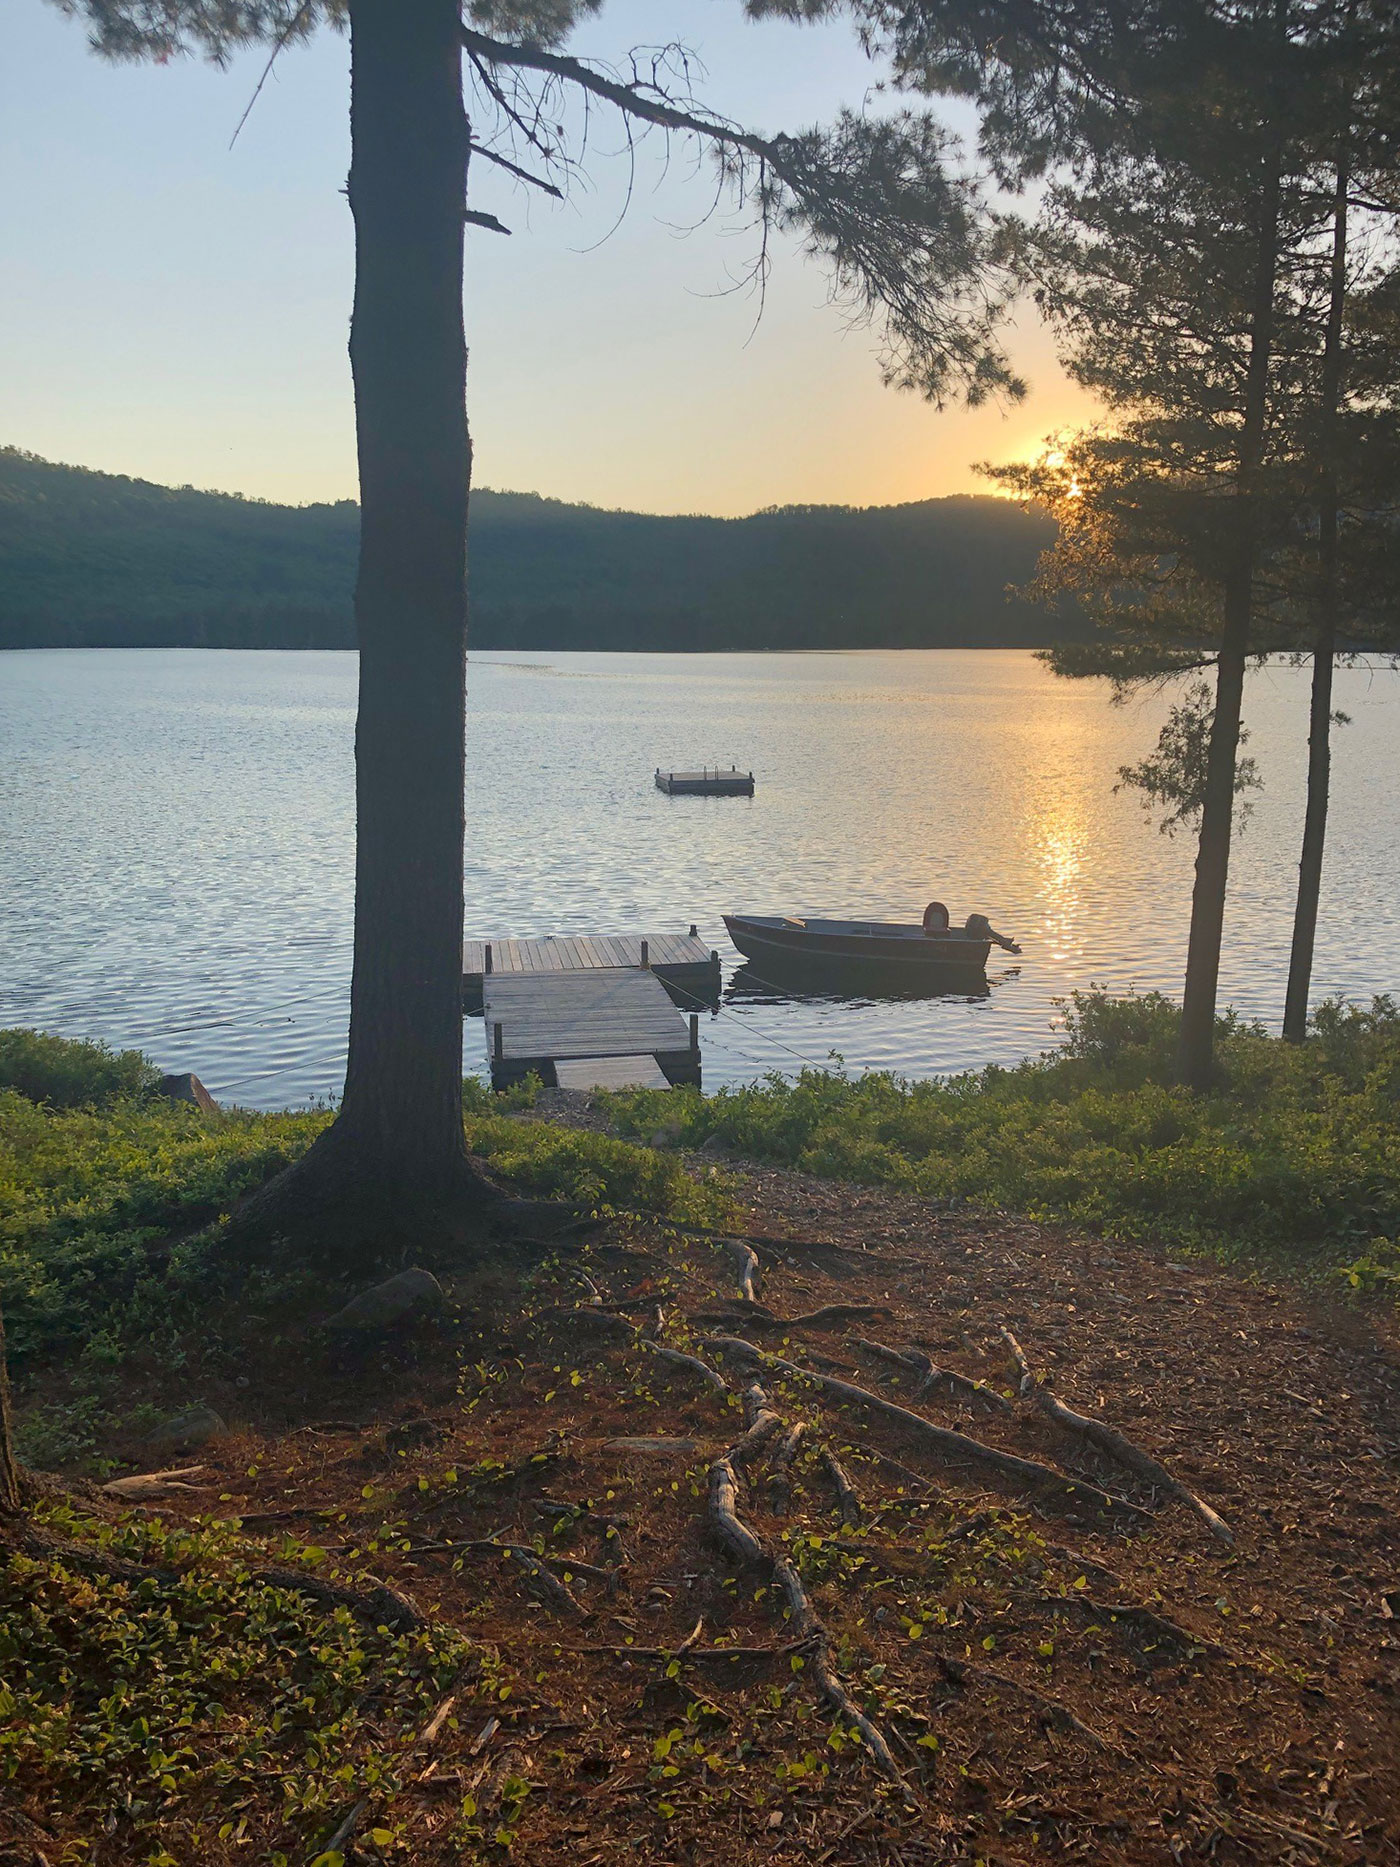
(708,782)
(587,1027)
(679,960)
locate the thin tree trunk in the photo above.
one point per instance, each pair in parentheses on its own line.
(11,1498)
(1196,1057)
(1295,1011)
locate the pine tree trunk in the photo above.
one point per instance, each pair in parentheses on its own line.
(394,1161)
(409,137)
(1300,963)
(1196,1055)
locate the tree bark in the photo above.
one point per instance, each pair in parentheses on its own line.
(393,1164)
(1300,962)
(11,1497)
(410,140)
(1196,1055)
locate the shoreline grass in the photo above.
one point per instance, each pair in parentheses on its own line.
(1291,1162)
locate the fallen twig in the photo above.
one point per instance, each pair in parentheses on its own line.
(337,1841)
(143,1485)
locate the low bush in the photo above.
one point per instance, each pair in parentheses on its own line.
(1294,1155)
(69,1074)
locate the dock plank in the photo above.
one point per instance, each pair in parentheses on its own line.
(587,1012)
(610,1073)
(681,953)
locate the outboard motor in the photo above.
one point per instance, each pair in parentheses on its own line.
(980,928)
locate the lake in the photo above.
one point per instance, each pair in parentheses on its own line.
(176,842)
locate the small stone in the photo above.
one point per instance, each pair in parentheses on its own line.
(186,1087)
(384,1304)
(655,1447)
(196,1426)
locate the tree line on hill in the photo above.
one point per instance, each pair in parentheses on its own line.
(99,560)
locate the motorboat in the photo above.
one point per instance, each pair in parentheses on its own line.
(896,949)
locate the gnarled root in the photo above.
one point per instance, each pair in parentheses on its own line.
(818,1656)
(941,1439)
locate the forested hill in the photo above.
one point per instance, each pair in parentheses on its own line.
(96,560)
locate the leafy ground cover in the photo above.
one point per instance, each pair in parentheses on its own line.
(1295,1158)
(110,1292)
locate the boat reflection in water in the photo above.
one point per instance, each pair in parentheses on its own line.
(777,981)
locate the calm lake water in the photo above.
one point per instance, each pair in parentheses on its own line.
(176,832)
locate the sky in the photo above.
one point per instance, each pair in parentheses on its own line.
(177,309)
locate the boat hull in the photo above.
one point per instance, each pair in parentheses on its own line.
(901,954)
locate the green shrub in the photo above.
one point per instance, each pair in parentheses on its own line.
(1295,1154)
(68,1074)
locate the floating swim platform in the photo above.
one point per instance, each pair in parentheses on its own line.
(710,781)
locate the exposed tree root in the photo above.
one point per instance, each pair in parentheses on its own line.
(893,1357)
(810,1629)
(692,1364)
(931,1376)
(736,1536)
(1147,1620)
(1025,1375)
(780,1467)
(1050,1710)
(1132,1458)
(742,1543)
(381,1605)
(762,1427)
(549,1585)
(847,1497)
(839,1316)
(746,1263)
(595,1571)
(941,1439)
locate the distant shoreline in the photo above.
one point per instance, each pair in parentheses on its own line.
(94,560)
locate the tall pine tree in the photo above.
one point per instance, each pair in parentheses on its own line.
(1178,240)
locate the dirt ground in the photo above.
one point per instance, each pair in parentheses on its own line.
(1055,1676)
